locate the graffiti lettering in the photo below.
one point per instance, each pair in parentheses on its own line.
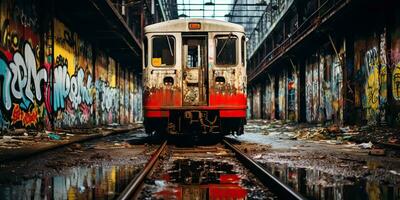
(72,87)
(19,77)
(108,100)
(396,83)
(28,20)
(372,85)
(27,118)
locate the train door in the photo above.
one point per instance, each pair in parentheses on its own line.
(194,70)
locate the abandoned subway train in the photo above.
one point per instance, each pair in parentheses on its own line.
(194,75)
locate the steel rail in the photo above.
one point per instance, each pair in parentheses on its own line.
(274,184)
(134,186)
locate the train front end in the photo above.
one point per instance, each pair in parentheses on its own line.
(194,77)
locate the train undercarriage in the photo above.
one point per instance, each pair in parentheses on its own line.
(194,122)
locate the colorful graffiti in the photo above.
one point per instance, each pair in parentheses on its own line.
(292,97)
(73,91)
(282,96)
(72,94)
(256,102)
(22,84)
(108,98)
(396,82)
(337,88)
(74,87)
(324,99)
(27,118)
(311,91)
(372,85)
(39,89)
(20,75)
(23,81)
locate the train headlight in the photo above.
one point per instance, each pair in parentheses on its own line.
(168,81)
(219,80)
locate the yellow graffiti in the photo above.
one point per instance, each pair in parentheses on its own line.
(396,83)
(61,46)
(372,89)
(112,78)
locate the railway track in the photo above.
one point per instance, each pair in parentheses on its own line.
(196,171)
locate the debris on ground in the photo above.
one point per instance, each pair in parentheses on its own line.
(366,145)
(54,136)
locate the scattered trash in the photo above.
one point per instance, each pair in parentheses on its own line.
(345,129)
(159,183)
(7,137)
(81,189)
(394,172)
(54,136)
(347,137)
(366,145)
(258,156)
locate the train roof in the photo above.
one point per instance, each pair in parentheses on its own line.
(182,25)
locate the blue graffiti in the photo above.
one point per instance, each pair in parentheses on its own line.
(72,87)
(19,77)
(6,74)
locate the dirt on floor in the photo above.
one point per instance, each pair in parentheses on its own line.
(324,162)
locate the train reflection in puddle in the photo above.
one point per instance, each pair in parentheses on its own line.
(99,182)
(315,184)
(202,179)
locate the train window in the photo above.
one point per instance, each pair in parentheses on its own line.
(226,50)
(243,53)
(145,52)
(194,51)
(163,51)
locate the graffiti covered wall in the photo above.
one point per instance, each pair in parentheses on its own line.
(292,95)
(23,78)
(107,94)
(39,89)
(324,85)
(73,79)
(282,97)
(395,74)
(269,98)
(256,102)
(371,80)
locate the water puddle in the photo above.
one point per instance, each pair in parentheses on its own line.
(315,184)
(202,179)
(97,182)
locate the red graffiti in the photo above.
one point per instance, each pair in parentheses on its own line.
(47,89)
(7,54)
(291,85)
(27,118)
(85,111)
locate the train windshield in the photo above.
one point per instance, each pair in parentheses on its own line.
(226,50)
(163,51)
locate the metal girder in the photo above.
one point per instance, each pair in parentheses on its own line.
(99,22)
(289,43)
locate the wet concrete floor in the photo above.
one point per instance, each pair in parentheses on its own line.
(202,172)
(321,169)
(98,169)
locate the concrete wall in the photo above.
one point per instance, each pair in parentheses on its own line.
(371,95)
(76,86)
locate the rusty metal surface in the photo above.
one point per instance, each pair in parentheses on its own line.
(131,190)
(279,188)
